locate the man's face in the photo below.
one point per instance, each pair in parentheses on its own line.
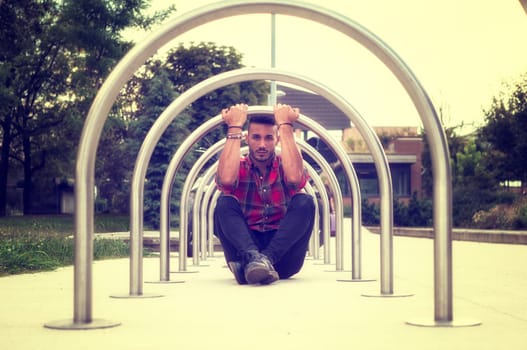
(262,140)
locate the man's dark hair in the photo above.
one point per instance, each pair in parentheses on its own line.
(262,119)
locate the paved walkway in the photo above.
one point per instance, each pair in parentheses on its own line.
(312,311)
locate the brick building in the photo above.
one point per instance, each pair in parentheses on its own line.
(403,146)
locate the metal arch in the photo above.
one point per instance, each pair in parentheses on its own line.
(198,199)
(383,173)
(246,74)
(305,147)
(170,176)
(198,225)
(210,217)
(335,189)
(84,214)
(205,225)
(164,228)
(209,174)
(182,151)
(183,210)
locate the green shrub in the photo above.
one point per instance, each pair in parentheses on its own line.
(420,212)
(370,213)
(521,219)
(468,201)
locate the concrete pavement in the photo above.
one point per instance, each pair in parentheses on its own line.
(311,311)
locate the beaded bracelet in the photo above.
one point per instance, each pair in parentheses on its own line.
(234,136)
(234,127)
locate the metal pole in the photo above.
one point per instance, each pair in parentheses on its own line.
(272,97)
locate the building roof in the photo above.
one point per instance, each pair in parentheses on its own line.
(314,106)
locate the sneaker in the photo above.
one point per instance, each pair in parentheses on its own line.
(238,271)
(259,269)
(273,277)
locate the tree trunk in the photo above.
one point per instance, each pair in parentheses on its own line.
(28,177)
(4,167)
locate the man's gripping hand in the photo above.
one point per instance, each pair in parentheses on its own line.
(235,115)
(285,114)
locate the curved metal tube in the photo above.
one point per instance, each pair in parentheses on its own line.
(335,190)
(201,131)
(183,208)
(199,237)
(84,173)
(342,156)
(223,79)
(166,193)
(200,204)
(198,234)
(210,216)
(206,230)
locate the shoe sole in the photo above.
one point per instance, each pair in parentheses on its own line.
(257,275)
(273,277)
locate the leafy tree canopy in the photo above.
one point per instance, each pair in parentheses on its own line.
(161,81)
(504,135)
(54,56)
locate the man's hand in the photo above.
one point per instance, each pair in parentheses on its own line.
(235,115)
(285,114)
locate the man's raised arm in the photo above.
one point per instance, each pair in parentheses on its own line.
(229,163)
(292,161)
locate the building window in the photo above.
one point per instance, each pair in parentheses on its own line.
(401,180)
(369,186)
(369,183)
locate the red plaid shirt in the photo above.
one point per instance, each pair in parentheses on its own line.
(263,201)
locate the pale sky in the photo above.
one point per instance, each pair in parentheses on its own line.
(461,51)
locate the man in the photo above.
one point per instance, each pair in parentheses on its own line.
(262,218)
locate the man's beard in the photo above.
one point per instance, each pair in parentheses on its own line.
(261,155)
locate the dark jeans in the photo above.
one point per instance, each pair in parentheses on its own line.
(286,247)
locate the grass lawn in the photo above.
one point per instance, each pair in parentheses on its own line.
(39,243)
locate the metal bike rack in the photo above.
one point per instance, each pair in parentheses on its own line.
(85,168)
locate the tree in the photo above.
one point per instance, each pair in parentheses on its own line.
(161,82)
(30,61)
(455,145)
(188,66)
(156,94)
(504,135)
(472,187)
(53,58)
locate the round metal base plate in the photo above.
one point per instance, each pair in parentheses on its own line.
(164,282)
(385,295)
(447,324)
(362,279)
(131,296)
(70,325)
(184,271)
